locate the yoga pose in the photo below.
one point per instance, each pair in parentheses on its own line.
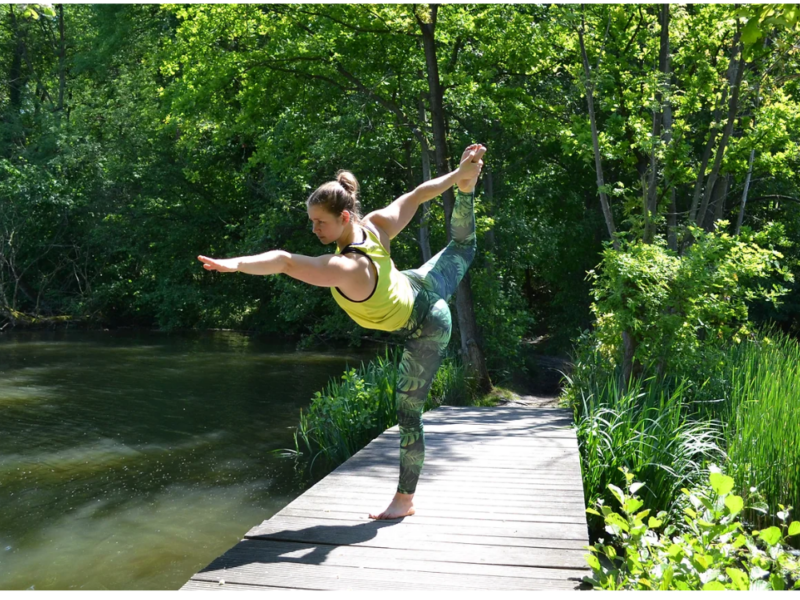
(366,284)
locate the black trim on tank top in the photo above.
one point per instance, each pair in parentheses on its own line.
(348,250)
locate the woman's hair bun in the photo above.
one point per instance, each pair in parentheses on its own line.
(348,181)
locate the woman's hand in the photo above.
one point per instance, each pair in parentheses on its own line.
(470,167)
(222,265)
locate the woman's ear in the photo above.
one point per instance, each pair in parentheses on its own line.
(345,217)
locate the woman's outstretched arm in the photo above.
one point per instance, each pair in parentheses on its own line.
(394,218)
(328,270)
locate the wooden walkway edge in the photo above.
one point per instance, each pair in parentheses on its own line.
(499,507)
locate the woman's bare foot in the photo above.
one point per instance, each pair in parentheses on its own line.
(402,506)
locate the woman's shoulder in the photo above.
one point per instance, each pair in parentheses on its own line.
(380,236)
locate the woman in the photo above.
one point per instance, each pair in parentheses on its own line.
(366,284)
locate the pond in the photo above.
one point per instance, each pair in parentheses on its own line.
(130,460)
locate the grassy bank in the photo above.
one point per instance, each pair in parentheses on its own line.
(741,413)
(354,409)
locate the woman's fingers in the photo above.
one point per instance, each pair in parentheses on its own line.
(209,264)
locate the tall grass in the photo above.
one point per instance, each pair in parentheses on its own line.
(650,430)
(741,411)
(351,411)
(763,419)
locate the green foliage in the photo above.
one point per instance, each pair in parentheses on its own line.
(452,385)
(648,429)
(683,310)
(503,320)
(761,419)
(201,129)
(669,429)
(710,550)
(348,414)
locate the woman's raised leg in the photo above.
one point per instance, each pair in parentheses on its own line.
(442,273)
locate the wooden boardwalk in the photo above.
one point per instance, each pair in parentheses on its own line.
(499,507)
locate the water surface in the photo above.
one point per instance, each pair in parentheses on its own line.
(131,460)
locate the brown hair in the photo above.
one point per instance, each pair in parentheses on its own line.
(337,196)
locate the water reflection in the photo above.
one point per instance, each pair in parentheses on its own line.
(130,461)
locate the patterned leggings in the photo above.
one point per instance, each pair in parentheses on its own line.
(427,333)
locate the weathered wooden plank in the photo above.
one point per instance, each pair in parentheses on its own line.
(356,531)
(453,465)
(442,473)
(383,558)
(543,477)
(302,577)
(330,511)
(245,564)
(531,462)
(457,440)
(421,541)
(385,480)
(425,499)
(474,452)
(428,503)
(499,429)
(482,554)
(458,485)
(201,585)
(539,479)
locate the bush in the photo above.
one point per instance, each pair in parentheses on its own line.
(681,311)
(711,551)
(346,415)
(503,320)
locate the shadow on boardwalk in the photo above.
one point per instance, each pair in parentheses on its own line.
(317,542)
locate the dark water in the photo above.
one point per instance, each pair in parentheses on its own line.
(130,461)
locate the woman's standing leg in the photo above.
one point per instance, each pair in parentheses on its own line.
(431,324)
(422,355)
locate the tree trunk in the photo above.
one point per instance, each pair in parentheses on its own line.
(628,351)
(16,83)
(467,325)
(595,142)
(62,60)
(488,195)
(719,201)
(738,71)
(651,207)
(740,218)
(424,230)
(701,175)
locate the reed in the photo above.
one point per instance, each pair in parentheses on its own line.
(763,419)
(351,411)
(648,429)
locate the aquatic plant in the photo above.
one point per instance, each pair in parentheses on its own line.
(351,411)
(762,421)
(649,430)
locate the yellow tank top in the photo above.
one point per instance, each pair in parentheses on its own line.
(389,306)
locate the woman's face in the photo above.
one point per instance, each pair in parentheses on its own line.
(324,225)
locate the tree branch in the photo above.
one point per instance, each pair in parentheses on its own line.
(387,104)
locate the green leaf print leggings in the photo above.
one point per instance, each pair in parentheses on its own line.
(427,333)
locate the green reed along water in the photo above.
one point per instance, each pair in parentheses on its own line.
(130,460)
